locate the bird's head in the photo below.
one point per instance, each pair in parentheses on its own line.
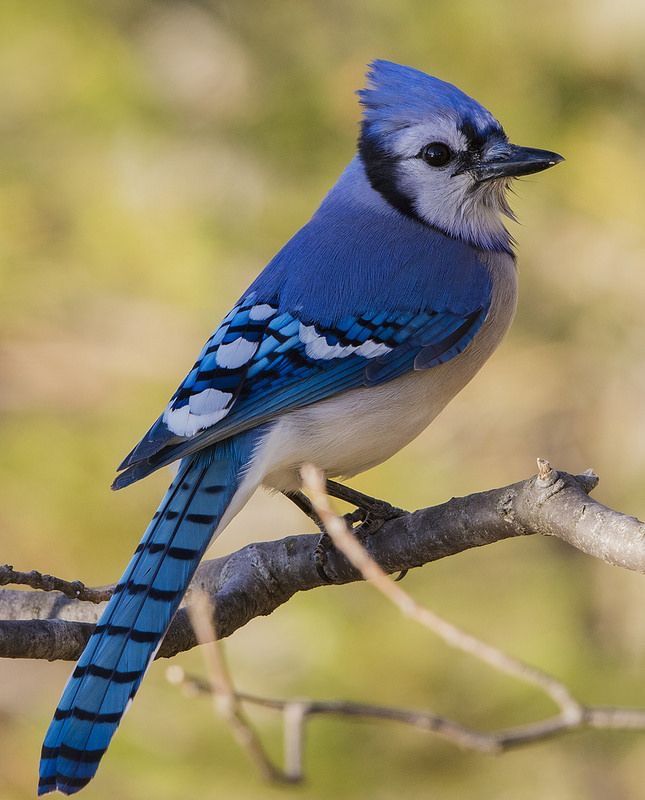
(436,154)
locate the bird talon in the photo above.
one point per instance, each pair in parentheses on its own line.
(322,574)
(370,524)
(385,511)
(376,515)
(323,546)
(357,515)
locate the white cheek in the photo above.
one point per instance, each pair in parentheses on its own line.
(449,203)
(436,196)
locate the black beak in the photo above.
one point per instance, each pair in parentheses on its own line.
(515,162)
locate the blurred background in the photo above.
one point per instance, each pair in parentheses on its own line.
(153,157)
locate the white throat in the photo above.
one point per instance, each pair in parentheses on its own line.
(464,210)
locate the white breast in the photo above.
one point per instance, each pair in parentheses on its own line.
(363,427)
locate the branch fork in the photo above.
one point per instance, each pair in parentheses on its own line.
(54,618)
(572,715)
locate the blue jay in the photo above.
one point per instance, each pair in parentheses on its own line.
(348,344)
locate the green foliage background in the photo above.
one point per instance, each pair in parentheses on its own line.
(153,156)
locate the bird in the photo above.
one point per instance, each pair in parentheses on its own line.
(356,334)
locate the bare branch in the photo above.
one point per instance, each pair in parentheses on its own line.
(257,579)
(260,577)
(354,551)
(294,721)
(573,715)
(303,709)
(48,583)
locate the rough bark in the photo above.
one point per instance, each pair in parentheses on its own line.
(257,579)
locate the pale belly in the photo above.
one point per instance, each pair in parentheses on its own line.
(363,427)
(355,431)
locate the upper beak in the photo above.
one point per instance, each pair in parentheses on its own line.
(515,162)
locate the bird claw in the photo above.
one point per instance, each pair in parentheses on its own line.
(323,546)
(357,515)
(369,512)
(370,519)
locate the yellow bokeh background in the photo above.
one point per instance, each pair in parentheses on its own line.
(153,157)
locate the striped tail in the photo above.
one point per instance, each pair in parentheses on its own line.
(127,636)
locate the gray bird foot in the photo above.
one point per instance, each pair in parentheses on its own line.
(366,519)
(375,512)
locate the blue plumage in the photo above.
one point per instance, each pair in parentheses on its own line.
(123,643)
(282,375)
(397,97)
(352,339)
(393,259)
(435,286)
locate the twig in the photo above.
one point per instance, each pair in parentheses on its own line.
(572,713)
(222,690)
(357,555)
(48,583)
(294,716)
(298,711)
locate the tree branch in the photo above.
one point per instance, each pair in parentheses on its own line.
(257,579)
(296,713)
(77,590)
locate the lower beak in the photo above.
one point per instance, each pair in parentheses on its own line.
(515,162)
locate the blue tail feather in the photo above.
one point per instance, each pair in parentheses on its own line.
(124,642)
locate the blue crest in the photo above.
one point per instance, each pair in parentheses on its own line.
(397,97)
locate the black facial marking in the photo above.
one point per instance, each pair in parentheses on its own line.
(475,139)
(380,168)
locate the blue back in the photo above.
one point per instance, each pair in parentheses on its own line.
(355,255)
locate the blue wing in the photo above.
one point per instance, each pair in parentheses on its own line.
(358,296)
(263,361)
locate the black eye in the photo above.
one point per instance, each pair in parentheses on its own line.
(437,154)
